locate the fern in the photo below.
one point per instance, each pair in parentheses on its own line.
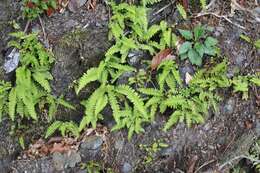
(89,76)
(133,97)
(182,11)
(203,3)
(150,2)
(12,103)
(63,127)
(114,104)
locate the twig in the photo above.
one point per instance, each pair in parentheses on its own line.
(229,162)
(203,165)
(218,16)
(26,26)
(44,33)
(163,8)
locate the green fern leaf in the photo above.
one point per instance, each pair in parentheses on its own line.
(89,76)
(50,131)
(151,91)
(182,11)
(203,3)
(101,103)
(114,104)
(133,97)
(173,120)
(41,78)
(12,103)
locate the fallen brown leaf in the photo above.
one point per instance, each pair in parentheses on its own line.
(159,57)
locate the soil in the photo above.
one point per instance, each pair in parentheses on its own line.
(79,40)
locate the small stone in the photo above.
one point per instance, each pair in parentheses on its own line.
(240,59)
(127,168)
(92,143)
(229,106)
(123,79)
(72,159)
(119,144)
(58,161)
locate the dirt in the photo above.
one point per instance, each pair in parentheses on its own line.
(79,40)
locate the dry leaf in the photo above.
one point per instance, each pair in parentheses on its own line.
(60,148)
(159,57)
(188,78)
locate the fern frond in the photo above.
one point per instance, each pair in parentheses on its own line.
(42,79)
(89,76)
(182,11)
(151,91)
(150,2)
(173,120)
(114,104)
(61,101)
(121,67)
(203,3)
(133,97)
(175,101)
(100,105)
(12,103)
(153,101)
(50,131)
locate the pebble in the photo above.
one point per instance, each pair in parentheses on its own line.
(92,143)
(66,160)
(127,168)
(229,106)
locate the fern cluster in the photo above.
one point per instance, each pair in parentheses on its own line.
(31,90)
(134,106)
(130,28)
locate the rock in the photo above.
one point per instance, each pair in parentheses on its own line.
(240,58)
(75,53)
(66,160)
(119,144)
(92,143)
(74,5)
(186,69)
(218,31)
(134,58)
(123,79)
(229,106)
(126,168)
(58,161)
(90,149)
(9,147)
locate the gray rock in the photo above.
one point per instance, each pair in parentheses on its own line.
(123,79)
(229,106)
(66,160)
(12,61)
(134,58)
(187,68)
(59,161)
(119,144)
(240,58)
(92,143)
(127,168)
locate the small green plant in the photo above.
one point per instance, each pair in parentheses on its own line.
(34,8)
(203,3)
(152,149)
(182,11)
(197,45)
(31,90)
(256,43)
(64,128)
